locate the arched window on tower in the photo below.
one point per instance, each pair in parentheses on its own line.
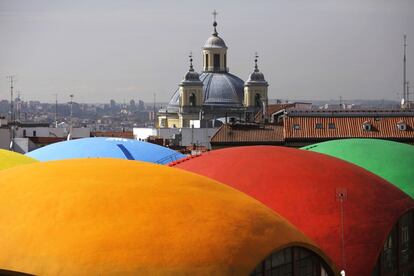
(257,100)
(216,62)
(193,99)
(206,61)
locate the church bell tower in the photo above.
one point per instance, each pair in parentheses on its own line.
(255,89)
(191,90)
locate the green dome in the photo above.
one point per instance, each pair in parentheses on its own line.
(390,160)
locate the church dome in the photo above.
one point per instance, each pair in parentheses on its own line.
(256,77)
(191,77)
(214,41)
(222,89)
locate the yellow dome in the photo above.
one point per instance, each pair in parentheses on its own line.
(10,159)
(117,217)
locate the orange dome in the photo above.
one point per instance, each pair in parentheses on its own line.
(10,159)
(108,216)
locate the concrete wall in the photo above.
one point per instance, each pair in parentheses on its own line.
(4,138)
(52,132)
(199,136)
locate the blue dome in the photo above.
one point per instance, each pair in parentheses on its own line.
(106,147)
(221,89)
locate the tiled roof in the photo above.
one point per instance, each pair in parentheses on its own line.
(248,133)
(305,127)
(351,113)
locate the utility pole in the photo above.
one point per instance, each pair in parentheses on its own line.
(11,79)
(405,70)
(56,109)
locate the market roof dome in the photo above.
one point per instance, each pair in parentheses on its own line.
(390,160)
(118,217)
(106,147)
(307,188)
(9,159)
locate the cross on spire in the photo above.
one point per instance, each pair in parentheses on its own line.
(255,60)
(214,13)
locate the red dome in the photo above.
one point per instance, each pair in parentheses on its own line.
(303,187)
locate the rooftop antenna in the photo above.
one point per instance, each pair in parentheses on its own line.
(71,114)
(18,106)
(155,98)
(11,80)
(405,70)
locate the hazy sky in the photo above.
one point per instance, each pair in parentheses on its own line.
(104,49)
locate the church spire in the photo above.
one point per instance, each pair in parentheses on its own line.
(191,61)
(256,69)
(215,33)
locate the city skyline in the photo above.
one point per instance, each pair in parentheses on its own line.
(102,50)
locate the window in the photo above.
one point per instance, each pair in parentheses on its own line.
(292,261)
(257,100)
(319,126)
(397,256)
(192,99)
(366,126)
(402,126)
(34,133)
(216,62)
(225,61)
(206,61)
(331,126)
(24,133)
(296,126)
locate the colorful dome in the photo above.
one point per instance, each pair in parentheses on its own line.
(306,188)
(117,217)
(106,147)
(9,159)
(391,160)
